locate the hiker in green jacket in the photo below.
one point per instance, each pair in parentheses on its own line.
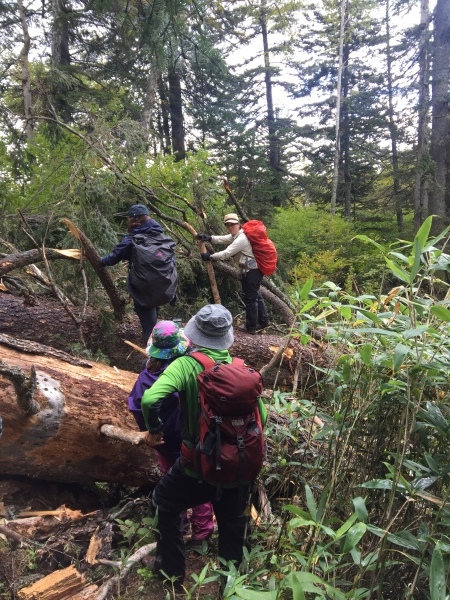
(211,331)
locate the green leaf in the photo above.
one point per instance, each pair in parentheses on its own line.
(301,522)
(310,582)
(306,289)
(360,508)
(422,483)
(370,315)
(296,511)
(441,313)
(399,356)
(309,305)
(296,587)
(397,271)
(356,555)
(433,242)
(346,370)
(416,264)
(437,575)
(353,536)
(247,594)
(378,484)
(310,502)
(323,501)
(366,353)
(400,256)
(423,233)
(365,238)
(346,526)
(346,312)
(404,539)
(411,333)
(377,331)
(433,416)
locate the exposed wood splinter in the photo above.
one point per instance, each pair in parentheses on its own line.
(124,435)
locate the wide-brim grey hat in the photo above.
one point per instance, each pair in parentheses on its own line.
(211,327)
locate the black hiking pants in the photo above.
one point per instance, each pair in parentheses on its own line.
(176,492)
(255,309)
(148,317)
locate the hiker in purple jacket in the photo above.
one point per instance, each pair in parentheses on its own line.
(166,343)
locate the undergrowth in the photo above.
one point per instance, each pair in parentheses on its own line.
(360,504)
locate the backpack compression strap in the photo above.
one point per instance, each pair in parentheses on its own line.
(207,361)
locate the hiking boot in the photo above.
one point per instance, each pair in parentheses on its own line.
(175,583)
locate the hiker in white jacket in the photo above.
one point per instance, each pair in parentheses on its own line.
(240,249)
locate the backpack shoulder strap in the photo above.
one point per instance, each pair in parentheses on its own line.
(201,358)
(238,362)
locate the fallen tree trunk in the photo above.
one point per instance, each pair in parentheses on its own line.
(46,322)
(66,419)
(59,436)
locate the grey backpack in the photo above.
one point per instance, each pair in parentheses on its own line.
(152,279)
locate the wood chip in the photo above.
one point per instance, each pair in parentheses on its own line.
(64,583)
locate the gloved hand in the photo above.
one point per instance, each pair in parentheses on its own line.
(205,255)
(203,237)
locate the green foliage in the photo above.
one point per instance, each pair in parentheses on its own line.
(313,243)
(323,266)
(372,500)
(136,533)
(309,230)
(364,496)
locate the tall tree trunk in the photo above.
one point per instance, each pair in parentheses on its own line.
(345,135)
(176,115)
(60,35)
(60,56)
(150,105)
(164,125)
(24,64)
(440,112)
(337,147)
(393,126)
(274,149)
(420,197)
(274,158)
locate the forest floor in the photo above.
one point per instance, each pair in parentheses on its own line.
(54,542)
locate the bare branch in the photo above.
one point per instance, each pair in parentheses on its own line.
(124,435)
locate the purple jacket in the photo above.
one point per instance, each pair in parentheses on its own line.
(169,411)
(123,249)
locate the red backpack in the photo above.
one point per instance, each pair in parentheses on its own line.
(231,447)
(263,248)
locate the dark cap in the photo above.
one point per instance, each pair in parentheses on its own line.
(137,210)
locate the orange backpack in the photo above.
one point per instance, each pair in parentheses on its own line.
(263,248)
